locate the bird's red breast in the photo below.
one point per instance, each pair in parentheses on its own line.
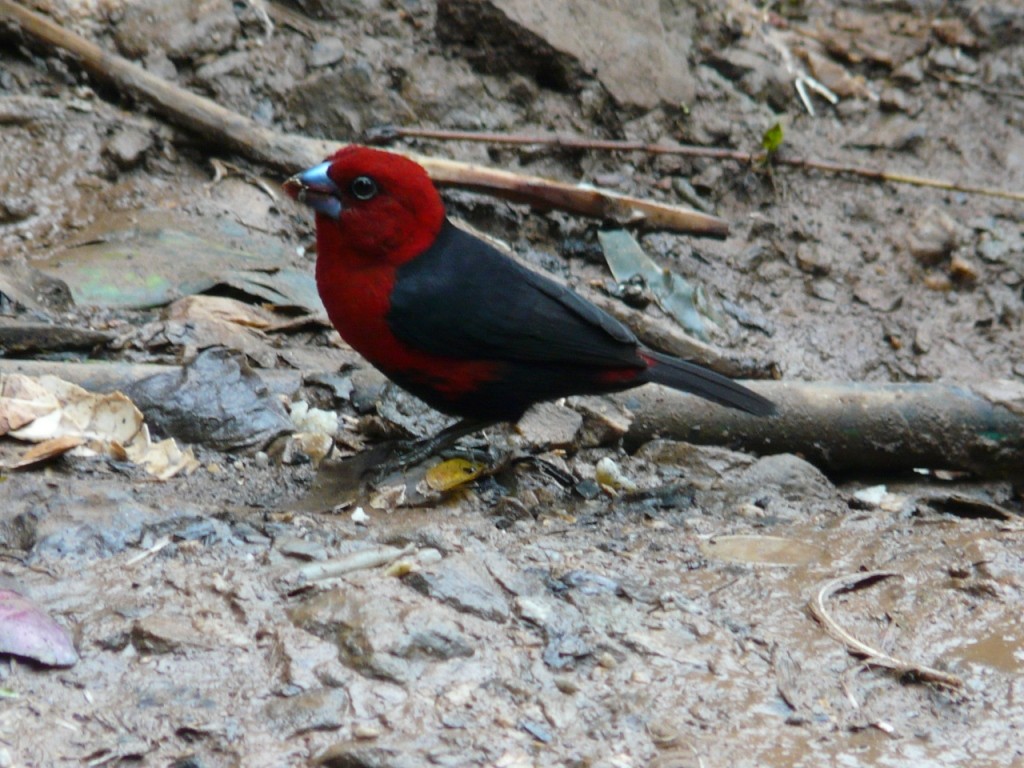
(378,229)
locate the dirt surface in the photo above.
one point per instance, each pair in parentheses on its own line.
(559,609)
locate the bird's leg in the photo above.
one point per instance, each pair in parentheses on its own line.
(417,451)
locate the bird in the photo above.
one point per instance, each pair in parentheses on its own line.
(454,321)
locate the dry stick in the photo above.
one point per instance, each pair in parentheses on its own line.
(110,376)
(817,607)
(607,145)
(869,428)
(288,153)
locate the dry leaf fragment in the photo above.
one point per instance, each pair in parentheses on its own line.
(22,401)
(453,473)
(70,418)
(48,449)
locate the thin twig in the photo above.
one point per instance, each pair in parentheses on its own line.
(687,150)
(355,561)
(853,645)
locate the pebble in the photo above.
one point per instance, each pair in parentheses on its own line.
(359,516)
(933,237)
(326,51)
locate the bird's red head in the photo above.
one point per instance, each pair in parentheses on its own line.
(372,206)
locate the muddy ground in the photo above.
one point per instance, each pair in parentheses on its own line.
(534,616)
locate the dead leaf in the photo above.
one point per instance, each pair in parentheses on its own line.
(221,309)
(48,449)
(66,417)
(22,401)
(453,473)
(26,630)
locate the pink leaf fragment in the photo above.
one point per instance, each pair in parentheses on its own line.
(25,630)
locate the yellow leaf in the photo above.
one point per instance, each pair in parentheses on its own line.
(453,473)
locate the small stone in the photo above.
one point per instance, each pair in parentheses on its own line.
(128,146)
(909,72)
(750,511)
(933,237)
(350,754)
(324,709)
(306,448)
(993,249)
(922,339)
(359,516)
(896,100)
(429,556)
(388,497)
(882,298)
(163,633)
(826,290)
(871,496)
(326,51)
(896,133)
(566,684)
(301,549)
(811,259)
(937,282)
(549,425)
(962,270)
(463,584)
(16,209)
(606,660)
(366,731)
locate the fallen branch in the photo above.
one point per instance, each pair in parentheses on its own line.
(846,427)
(747,158)
(877,428)
(113,376)
(288,153)
(844,583)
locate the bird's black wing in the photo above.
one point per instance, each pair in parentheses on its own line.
(463,298)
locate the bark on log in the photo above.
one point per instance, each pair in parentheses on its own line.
(845,427)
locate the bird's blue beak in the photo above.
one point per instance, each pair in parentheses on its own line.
(315,188)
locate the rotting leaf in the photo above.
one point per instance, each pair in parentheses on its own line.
(142,259)
(453,473)
(66,418)
(674,294)
(26,630)
(283,288)
(969,507)
(48,449)
(218,321)
(22,401)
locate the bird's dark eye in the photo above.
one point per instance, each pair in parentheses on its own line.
(363,188)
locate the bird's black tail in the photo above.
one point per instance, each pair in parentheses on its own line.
(690,377)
